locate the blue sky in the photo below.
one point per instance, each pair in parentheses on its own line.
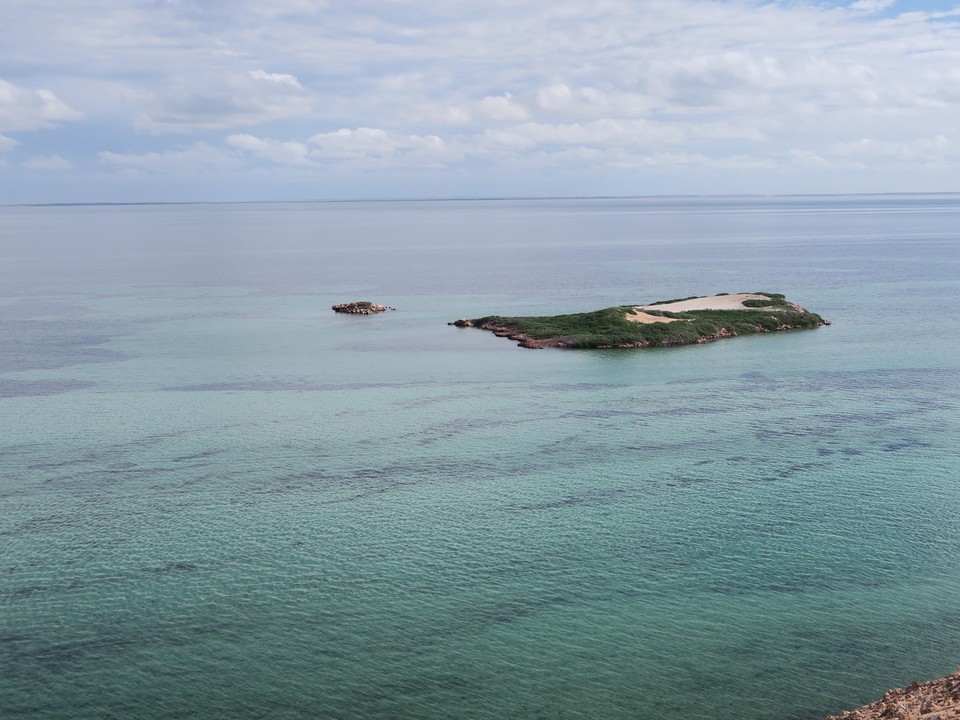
(195,100)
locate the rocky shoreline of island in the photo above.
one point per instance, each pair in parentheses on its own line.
(935,700)
(360,307)
(560,341)
(685,321)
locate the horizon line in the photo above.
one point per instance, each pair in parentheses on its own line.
(492,198)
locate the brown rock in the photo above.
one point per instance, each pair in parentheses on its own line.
(360,307)
(934,700)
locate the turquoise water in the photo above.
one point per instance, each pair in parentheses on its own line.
(220,499)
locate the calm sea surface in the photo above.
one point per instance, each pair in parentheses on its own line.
(218,499)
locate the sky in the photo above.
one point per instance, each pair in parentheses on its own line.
(240,100)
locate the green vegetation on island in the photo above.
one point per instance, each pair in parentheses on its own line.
(672,322)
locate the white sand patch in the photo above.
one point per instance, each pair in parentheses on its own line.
(638,316)
(714,302)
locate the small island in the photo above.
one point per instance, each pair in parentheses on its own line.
(683,321)
(361,307)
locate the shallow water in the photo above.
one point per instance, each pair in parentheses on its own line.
(220,499)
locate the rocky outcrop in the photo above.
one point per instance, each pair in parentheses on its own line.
(566,341)
(522,339)
(361,307)
(934,700)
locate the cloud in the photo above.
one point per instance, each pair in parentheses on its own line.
(926,150)
(501,107)
(22,109)
(275,78)
(555,97)
(281,153)
(872,5)
(562,101)
(680,161)
(381,147)
(47,162)
(214,103)
(287,8)
(361,147)
(484,88)
(706,80)
(615,133)
(435,113)
(603,143)
(599,132)
(197,158)
(496,108)
(808,159)
(7,144)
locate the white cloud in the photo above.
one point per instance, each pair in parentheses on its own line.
(47,162)
(501,107)
(22,109)
(680,161)
(619,133)
(276,151)
(872,5)
(599,132)
(360,147)
(282,8)
(275,78)
(196,158)
(354,143)
(745,85)
(937,149)
(808,159)
(452,116)
(488,108)
(555,97)
(375,144)
(7,144)
(213,103)
(560,100)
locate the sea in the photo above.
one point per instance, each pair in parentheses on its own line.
(220,499)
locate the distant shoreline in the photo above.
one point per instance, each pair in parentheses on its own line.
(492,198)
